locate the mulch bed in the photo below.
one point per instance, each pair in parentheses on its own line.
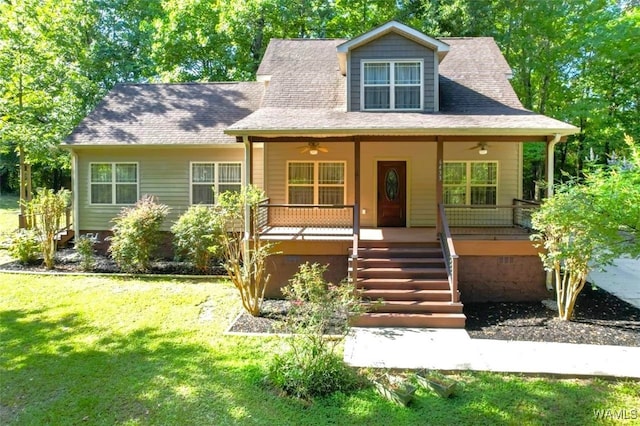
(68,260)
(599,317)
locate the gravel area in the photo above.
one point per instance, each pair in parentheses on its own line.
(599,317)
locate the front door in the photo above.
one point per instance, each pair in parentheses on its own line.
(392,193)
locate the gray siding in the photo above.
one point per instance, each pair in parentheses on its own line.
(391,46)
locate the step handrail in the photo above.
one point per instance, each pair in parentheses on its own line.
(451,257)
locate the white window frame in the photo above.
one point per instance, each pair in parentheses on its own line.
(392,85)
(216,182)
(469,185)
(316,184)
(113,183)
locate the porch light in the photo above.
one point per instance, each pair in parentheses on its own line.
(313,151)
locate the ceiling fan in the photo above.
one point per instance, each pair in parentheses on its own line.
(313,148)
(481,147)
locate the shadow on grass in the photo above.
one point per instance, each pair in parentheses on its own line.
(66,371)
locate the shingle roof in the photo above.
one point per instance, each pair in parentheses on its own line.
(474,77)
(304,74)
(142,114)
(324,122)
(306,96)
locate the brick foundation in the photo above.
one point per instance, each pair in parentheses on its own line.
(501,279)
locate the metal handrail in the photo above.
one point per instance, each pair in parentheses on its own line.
(446,241)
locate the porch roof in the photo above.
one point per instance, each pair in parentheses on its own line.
(274,122)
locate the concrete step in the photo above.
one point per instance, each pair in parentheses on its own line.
(416,306)
(403,283)
(406,294)
(435,320)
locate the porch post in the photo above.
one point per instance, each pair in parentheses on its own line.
(248,147)
(439,178)
(356,157)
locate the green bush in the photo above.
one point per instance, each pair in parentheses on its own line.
(195,237)
(309,374)
(136,234)
(44,216)
(84,247)
(24,246)
(311,367)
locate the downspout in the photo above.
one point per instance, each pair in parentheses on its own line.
(550,163)
(551,145)
(247,206)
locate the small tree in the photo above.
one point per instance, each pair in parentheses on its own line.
(589,225)
(136,234)
(45,212)
(196,235)
(245,259)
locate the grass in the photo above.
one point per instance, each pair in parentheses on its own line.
(8,222)
(8,213)
(95,350)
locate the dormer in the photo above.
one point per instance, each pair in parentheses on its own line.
(392,68)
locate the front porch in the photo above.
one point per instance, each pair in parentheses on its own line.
(420,275)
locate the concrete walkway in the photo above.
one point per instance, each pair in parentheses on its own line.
(621,279)
(453,349)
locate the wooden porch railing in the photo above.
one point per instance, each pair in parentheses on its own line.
(451,258)
(316,219)
(30,219)
(518,214)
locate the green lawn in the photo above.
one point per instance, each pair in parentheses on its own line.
(8,222)
(92,350)
(8,213)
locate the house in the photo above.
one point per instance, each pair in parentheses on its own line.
(394,157)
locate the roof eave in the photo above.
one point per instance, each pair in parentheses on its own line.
(445,131)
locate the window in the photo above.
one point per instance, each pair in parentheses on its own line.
(471,182)
(208,179)
(319,182)
(392,85)
(114,183)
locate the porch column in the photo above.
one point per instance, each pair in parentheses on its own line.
(439,178)
(248,169)
(356,159)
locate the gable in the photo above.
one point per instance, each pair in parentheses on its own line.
(392,46)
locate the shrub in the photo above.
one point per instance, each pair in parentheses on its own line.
(195,235)
(309,374)
(136,234)
(244,260)
(311,367)
(24,246)
(45,214)
(84,247)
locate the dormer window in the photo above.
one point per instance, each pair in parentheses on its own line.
(392,85)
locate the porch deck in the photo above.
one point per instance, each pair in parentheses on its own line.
(403,235)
